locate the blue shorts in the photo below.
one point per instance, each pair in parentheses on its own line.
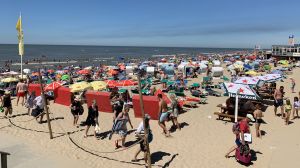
(238,142)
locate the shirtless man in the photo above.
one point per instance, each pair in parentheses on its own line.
(163,114)
(278,100)
(21,91)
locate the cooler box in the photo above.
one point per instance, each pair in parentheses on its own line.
(102,99)
(36,88)
(151,106)
(62,96)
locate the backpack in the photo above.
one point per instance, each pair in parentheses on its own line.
(236,128)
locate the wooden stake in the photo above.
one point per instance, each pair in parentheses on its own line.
(143,115)
(45,106)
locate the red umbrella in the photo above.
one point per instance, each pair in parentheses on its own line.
(50,71)
(84,72)
(111,83)
(126,83)
(53,86)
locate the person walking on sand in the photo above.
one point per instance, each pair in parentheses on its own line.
(21,89)
(278,100)
(258,119)
(175,112)
(296,107)
(239,129)
(124,117)
(6,103)
(293,84)
(287,109)
(76,109)
(140,134)
(29,101)
(163,115)
(92,118)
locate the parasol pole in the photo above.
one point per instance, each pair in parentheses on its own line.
(236,105)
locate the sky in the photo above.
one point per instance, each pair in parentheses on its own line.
(176,23)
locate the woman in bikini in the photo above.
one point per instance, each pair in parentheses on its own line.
(258,115)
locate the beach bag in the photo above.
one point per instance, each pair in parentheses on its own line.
(243,155)
(97,129)
(236,128)
(80,110)
(1,109)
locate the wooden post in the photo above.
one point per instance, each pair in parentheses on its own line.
(45,106)
(4,159)
(144,123)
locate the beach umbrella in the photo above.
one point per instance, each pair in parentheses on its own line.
(98,85)
(111,83)
(22,76)
(50,71)
(252,73)
(59,72)
(277,72)
(53,86)
(247,80)
(195,85)
(283,62)
(267,67)
(27,71)
(77,67)
(80,86)
(8,80)
(270,77)
(243,91)
(88,68)
(84,72)
(10,73)
(65,77)
(125,83)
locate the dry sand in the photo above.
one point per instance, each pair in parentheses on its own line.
(202,142)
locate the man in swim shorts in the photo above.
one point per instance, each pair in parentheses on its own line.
(278,100)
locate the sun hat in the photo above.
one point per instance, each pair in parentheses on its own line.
(250,117)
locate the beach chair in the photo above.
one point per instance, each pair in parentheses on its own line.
(226,79)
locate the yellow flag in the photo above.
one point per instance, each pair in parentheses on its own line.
(20,36)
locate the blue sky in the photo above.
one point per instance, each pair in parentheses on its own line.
(185,23)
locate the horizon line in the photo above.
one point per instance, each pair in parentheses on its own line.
(131,46)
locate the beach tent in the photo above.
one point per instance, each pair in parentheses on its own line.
(151,106)
(217,71)
(244,91)
(102,99)
(216,63)
(62,96)
(150,70)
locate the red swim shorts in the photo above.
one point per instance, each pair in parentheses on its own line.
(21,94)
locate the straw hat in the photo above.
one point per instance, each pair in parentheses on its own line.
(7,92)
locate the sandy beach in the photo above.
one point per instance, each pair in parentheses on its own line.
(202,142)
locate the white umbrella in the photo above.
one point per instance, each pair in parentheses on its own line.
(27,71)
(269,77)
(247,80)
(243,91)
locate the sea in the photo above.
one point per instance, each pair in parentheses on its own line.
(51,55)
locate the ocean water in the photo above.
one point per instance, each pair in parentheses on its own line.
(87,55)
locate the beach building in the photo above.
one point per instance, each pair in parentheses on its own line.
(286,51)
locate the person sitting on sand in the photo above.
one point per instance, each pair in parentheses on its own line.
(139,133)
(287,110)
(92,118)
(124,116)
(296,107)
(258,115)
(76,109)
(278,100)
(243,127)
(6,103)
(163,114)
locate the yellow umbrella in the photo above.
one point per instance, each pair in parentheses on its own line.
(7,80)
(252,73)
(98,85)
(22,76)
(81,86)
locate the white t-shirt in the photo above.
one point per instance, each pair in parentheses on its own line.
(38,101)
(140,128)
